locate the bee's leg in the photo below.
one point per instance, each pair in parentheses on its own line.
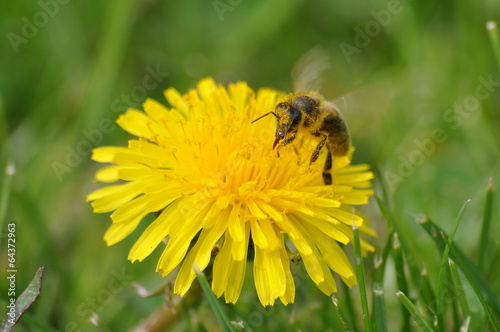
(285,142)
(289,139)
(318,148)
(327,177)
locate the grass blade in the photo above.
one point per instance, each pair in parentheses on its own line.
(464,305)
(443,270)
(494,269)
(379,308)
(413,311)
(462,261)
(484,242)
(428,294)
(426,290)
(401,279)
(348,307)
(449,247)
(411,260)
(97,322)
(379,317)
(342,315)
(24,301)
(491,26)
(361,279)
(380,262)
(224,322)
(477,289)
(465,325)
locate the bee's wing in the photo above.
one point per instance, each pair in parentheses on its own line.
(369,102)
(307,72)
(373,99)
(366,108)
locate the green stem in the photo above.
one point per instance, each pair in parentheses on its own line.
(222,318)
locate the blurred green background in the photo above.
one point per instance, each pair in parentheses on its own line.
(423,94)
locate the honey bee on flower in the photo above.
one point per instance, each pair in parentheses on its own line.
(308,112)
(218,184)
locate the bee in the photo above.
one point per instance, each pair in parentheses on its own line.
(321,119)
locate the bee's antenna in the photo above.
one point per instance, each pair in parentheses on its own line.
(260,117)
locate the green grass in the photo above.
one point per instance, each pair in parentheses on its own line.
(412,115)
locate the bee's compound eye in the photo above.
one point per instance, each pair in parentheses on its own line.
(283,106)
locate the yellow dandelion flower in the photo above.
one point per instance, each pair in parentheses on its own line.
(213,179)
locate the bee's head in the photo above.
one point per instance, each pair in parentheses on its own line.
(288,120)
